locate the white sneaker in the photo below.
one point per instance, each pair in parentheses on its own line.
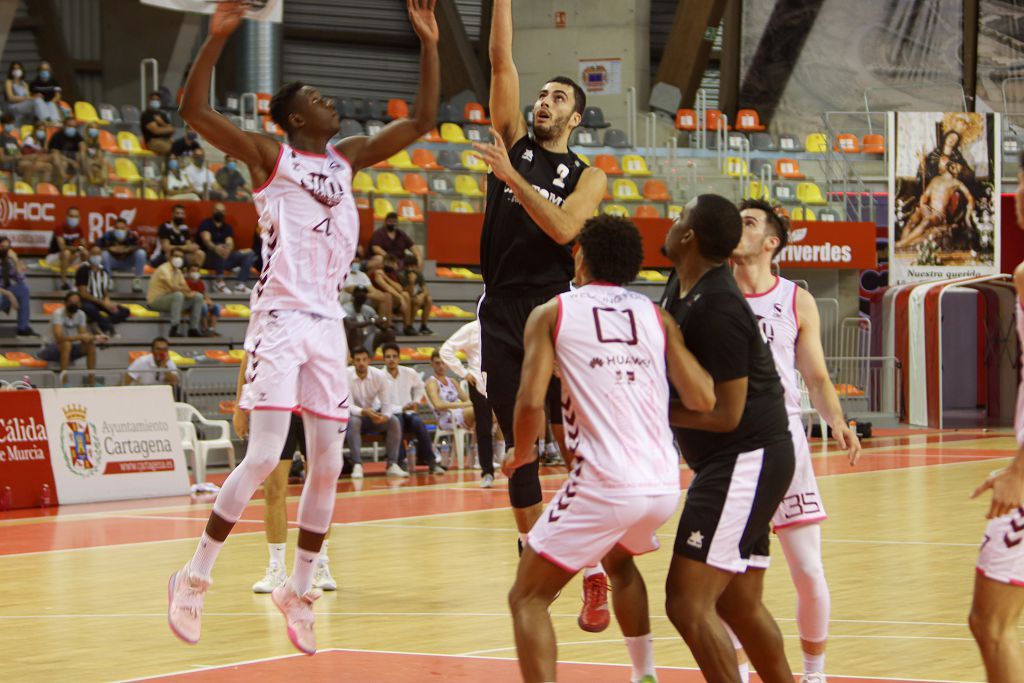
(274,578)
(323,579)
(813,678)
(394,470)
(137,284)
(357,471)
(487,481)
(221,287)
(242,288)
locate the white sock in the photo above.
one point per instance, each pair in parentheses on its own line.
(745,672)
(201,563)
(641,654)
(302,573)
(592,571)
(814,664)
(276,554)
(323,559)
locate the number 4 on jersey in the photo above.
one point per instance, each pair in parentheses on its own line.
(323,226)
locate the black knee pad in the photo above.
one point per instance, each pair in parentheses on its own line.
(524,486)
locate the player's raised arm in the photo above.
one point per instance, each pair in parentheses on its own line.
(506,113)
(363,151)
(538,365)
(693,382)
(257,151)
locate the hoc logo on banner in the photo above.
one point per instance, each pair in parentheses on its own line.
(82,452)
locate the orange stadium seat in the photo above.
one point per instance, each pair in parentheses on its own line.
(789,169)
(415,183)
(873,143)
(646,211)
(124,192)
(656,191)
(474,113)
(426,160)
(108,143)
(847,144)
(409,210)
(712,118)
(398,109)
(46,188)
(748,120)
(686,119)
(608,164)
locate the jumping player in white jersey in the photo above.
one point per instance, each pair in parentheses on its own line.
(613,348)
(295,341)
(998,593)
(789,322)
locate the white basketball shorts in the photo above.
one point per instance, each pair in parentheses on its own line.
(1001,557)
(802,504)
(297,361)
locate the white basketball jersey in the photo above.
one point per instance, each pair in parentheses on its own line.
(310,229)
(1018,417)
(610,348)
(776,313)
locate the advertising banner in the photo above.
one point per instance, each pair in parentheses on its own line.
(114,443)
(825,244)
(601,76)
(24,451)
(944,209)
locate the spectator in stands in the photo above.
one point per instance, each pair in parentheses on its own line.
(36,165)
(370,413)
(92,160)
(211,310)
(169,292)
(122,250)
(390,240)
(71,338)
(10,147)
(186,144)
(201,178)
(156,126)
(64,149)
(419,294)
(176,184)
(363,327)
(45,88)
(384,276)
(407,393)
(14,289)
(232,182)
(217,240)
(175,234)
(382,301)
(94,283)
(21,102)
(448,399)
(67,246)
(156,367)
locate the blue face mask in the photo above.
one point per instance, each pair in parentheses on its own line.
(94,132)
(70,131)
(154,104)
(44,75)
(356,266)
(172,164)
(40,135)
(72,221)
(120,234)
(232,166)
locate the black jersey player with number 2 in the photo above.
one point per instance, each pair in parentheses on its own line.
(539,195)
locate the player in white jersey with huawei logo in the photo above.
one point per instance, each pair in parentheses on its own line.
(613,348)
(790,324)
(296,345)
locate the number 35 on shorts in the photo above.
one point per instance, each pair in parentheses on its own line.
(800,505)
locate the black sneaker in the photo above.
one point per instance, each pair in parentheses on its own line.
(409,331)
(27,332)
(425,331)
(193,332)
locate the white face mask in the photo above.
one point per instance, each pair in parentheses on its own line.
(177,262)
(17,73)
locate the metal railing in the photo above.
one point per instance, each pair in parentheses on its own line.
(868,386)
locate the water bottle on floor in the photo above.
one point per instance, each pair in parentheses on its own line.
(446,451)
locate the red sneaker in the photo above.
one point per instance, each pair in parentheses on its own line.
(595,617)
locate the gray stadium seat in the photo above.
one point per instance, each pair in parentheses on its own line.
(441,184)
(790,143)
(373,126)
(593,117)
(828,215)
(616,138)
(762,142)
(350,127)
(1011,146)
(710,140)
(584,137)
(438,205)
(477,133)
(352,108)
(109,112)
(736,140)
(450,160)
(130,114)
(447,114)
(757,164)
(375,109)
(785,193)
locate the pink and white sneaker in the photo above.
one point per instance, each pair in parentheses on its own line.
(185,595)
(298,611)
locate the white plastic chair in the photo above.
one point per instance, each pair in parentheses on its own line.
(200,448)
(457,437)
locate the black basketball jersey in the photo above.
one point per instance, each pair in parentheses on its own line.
(723,334)
(518,259)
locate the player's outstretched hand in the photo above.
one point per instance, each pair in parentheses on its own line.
(1007,490)
(421,15)
(847,440)
(495,155)
(227,17)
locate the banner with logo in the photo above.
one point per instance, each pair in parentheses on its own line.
(261,10)
(944,207)
(826,244)
(24,451)
(601,76)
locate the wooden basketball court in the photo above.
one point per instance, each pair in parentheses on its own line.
(424,565)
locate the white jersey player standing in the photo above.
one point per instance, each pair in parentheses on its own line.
(613,348)
(790,323)
(295,341)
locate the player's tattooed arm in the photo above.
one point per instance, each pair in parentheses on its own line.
(257,151)
(364,151)
(538,366)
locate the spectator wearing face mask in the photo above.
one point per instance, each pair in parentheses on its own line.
(232,182)
(122,251)
(154,368)
(14,294)
(67,246)
(35,165)
(175,234)
(10,147)
(47,90)
(201,178)
(211,310)
(64,148)
(217,239)
(93,283)
(69,337)
(186,145)
(156,126)
(92,161)
(363,327)
(176,185)
(384,276)
(20,100)
(170,293)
